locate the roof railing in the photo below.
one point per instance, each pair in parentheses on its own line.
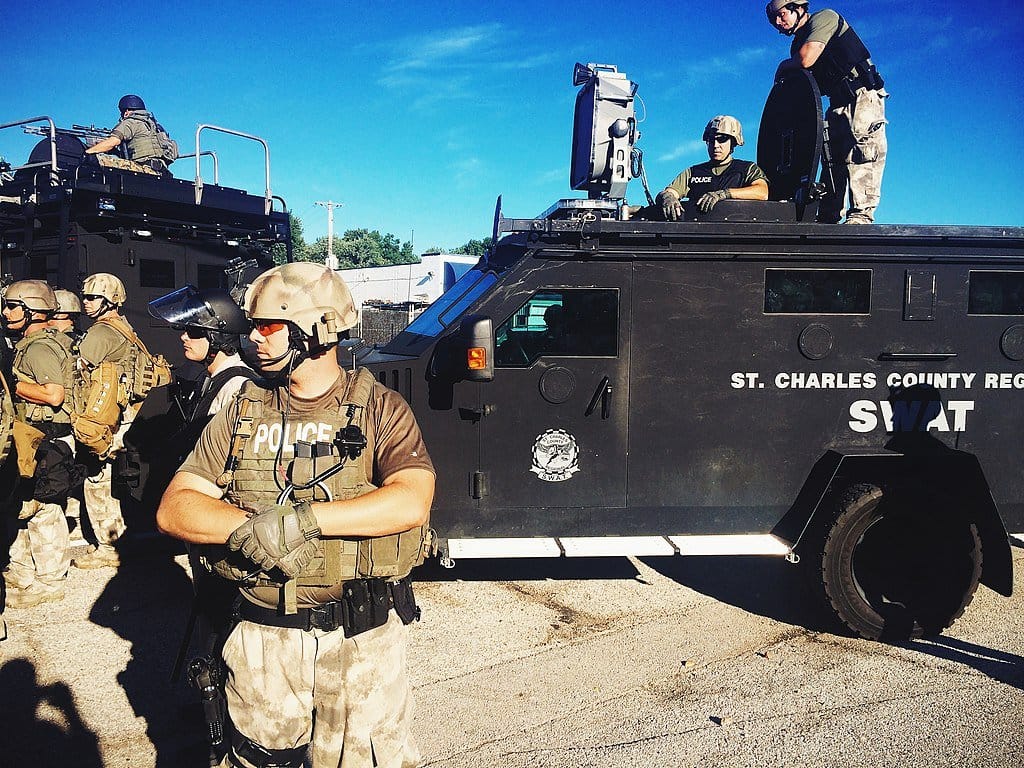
(268,200)
(53,142)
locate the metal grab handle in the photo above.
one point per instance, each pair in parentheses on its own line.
(920,356)
(601,393)
(53,141)
(268,198)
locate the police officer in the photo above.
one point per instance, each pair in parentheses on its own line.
(211,326)
(39,556)
(140,133)
(320,486)
(103,294)
(825,44)
(64,320)
(721,178)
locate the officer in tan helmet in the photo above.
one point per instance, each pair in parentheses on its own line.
(107,340)
(311,491)
(39,556)
(723,177)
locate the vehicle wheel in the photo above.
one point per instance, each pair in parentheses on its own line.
(897,564)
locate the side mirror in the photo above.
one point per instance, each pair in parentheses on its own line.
(476,345)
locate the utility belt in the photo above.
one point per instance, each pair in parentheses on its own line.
(52,430)
(865,76)
(364,605)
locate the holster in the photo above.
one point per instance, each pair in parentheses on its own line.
(27,440)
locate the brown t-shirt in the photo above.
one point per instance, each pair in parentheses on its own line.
(396,440)
(102,343)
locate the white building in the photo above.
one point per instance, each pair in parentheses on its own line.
(419,283)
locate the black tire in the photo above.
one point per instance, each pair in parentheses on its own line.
(898,564)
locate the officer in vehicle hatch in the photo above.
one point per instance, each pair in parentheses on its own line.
(144,138)
(721,178)
(825,44)
(39,557)
(320,487)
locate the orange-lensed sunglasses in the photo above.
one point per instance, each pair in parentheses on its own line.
(267,328)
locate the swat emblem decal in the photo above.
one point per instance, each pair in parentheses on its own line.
(555,456)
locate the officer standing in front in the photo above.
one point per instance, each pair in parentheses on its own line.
(825,44)
(139,130)
(320,486)
(721,178)
(39,557)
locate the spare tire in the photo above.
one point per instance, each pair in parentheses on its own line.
(898,563)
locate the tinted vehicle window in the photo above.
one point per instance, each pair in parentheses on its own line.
(210,276)
(156,273)
(817,291)
(560,323)
(996,293)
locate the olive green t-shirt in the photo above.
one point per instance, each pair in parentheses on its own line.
(43,363)
(101,344)
(681,183)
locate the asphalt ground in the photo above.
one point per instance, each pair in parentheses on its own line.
(593,662)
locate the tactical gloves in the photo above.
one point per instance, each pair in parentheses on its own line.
(672,209)
(709,200)
(278,537)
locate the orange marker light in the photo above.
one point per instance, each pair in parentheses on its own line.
(476,358)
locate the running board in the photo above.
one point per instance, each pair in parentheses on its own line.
(619,546)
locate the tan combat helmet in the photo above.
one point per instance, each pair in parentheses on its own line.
(36,295)
(727,125)
(67,302)
(311,296)
(774,6)
(106,285)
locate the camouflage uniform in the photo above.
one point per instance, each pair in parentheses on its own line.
(100,344)
(39,557)
(347,698)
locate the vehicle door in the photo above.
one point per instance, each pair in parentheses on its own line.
(554,423)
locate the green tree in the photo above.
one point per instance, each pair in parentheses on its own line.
(363,248)
(474,247)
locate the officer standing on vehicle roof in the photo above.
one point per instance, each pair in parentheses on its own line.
(316,663)
(721,178)
(825,44)
(103,295)
(139,130)
(39,556)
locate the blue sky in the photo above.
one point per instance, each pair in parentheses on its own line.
(416,116)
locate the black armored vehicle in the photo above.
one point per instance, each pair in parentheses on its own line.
(741,382)
(65,214)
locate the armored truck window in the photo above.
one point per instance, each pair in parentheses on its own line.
(156,273)
(565,323)
(210,276)
(996,293)
(817,291)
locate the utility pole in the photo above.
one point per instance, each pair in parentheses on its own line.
(332,260)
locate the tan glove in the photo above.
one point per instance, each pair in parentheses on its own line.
(710,199)
(278,537)
(668,199)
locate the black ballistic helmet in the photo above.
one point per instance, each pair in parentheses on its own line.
(212,310)
(130,101)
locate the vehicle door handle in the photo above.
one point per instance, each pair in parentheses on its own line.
(602,393)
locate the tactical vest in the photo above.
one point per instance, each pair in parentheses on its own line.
(252,481)
(144,145)
(844,66)
(60,344)
(197,407)
(702,180)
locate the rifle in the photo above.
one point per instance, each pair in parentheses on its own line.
(90,133)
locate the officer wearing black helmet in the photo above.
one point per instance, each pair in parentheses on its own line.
(146,141)
(826,45)
(211,326)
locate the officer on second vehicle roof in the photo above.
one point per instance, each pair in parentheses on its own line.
(825,44)
(721,178)
(320,486)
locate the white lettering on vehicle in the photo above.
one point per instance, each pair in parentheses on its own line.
(267,437)
(905,416)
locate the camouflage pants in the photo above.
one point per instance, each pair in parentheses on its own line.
(857,138)
(348,698)
(103,508)
(40,550)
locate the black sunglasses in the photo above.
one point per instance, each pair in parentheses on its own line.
(12,304)
(92,296)
(193,332)
(720,139)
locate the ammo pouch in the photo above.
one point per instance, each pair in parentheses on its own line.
(27,440)
(57,474)
(127,468)
(96,414)
(364,605)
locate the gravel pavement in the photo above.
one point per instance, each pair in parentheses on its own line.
(594,662)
